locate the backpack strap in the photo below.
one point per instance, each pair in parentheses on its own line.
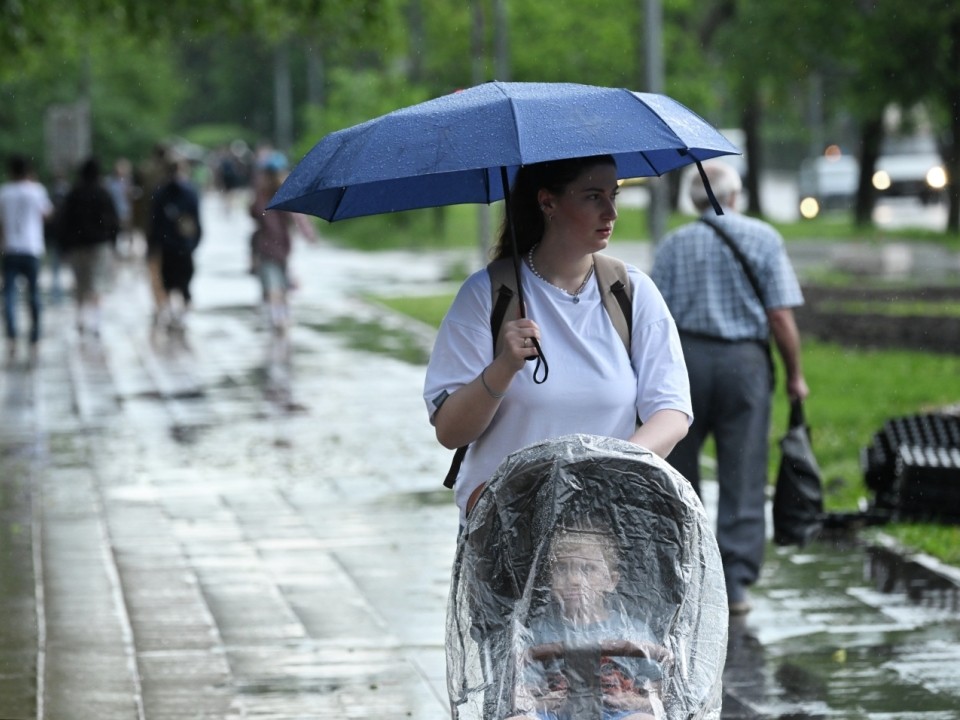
(615,291)
(616,294)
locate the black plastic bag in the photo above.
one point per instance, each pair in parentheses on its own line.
(798,500)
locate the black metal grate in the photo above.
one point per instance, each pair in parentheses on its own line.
(913,466)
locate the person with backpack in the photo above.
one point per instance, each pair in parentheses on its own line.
(480,391)
(175,228)
(87,230)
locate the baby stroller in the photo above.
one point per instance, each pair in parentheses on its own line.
(587,584)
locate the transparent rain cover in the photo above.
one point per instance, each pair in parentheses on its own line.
(587,584)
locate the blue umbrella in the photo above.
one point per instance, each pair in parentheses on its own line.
(463,147)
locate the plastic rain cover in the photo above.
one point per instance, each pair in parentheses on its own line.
(587,584)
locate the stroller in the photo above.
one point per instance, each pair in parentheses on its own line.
(587,585)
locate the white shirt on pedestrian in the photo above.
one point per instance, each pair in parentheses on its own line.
(23,206)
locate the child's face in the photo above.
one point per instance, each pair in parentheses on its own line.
(581,577)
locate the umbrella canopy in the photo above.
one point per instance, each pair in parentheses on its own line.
(451,150)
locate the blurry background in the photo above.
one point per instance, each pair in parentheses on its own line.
(799,85)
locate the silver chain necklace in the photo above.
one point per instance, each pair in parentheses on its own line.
(576,293)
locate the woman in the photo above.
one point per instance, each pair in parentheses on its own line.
(564,212)
(271,243)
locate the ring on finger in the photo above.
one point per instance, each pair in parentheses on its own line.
(526,342)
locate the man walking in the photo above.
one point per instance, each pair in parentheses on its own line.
(24,204)
(729,284)
(175,227)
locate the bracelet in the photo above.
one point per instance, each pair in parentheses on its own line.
(491,393)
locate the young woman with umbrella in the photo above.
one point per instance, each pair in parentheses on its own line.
(563,212)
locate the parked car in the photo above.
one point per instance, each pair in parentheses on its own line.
(827,182)
(910,166)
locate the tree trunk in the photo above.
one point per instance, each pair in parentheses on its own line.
(871,133)
(751,129)
(952,150)
(417,46)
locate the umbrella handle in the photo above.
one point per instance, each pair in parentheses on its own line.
(539,357)
(706,186)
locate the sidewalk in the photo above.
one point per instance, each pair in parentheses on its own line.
(234,526)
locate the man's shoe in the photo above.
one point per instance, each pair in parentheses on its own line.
(740,604)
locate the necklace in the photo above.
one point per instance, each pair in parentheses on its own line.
(576,293)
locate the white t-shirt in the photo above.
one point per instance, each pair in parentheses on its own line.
(23,205)
(592,386)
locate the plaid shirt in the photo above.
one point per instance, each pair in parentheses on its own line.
(705,285)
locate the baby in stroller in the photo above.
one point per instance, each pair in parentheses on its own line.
(583,629)
(587,586)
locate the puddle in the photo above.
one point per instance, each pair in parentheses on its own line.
(840,630)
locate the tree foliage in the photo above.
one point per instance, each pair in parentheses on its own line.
(790,73)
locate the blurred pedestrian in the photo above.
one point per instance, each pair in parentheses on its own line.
(88,227)
(24,203)
(272,242)
(729,284)
(59,187)
(148,177)
(175,228)
(119,183)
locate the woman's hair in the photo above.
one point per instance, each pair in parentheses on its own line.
(553,176)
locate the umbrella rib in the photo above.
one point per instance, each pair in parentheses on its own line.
(339,201)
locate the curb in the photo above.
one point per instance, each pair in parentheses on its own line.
(918,575)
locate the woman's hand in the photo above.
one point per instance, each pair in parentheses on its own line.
(465,415)
(518,337)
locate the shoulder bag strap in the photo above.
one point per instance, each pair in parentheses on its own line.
(754,283)
(738,254)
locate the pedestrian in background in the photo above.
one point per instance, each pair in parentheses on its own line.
(725,327)
(119,183)
(272,241)
(24,204)
(148,177)
(175,228)
(88,227)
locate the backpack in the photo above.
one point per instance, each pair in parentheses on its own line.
(616,295)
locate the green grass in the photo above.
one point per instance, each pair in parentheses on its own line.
(457,226)
(853,392)
(893,308)
(940,541)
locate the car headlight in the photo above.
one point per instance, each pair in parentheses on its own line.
(809,208)
(937,177)
(881,180)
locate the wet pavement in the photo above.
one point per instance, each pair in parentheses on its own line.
(227,524)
